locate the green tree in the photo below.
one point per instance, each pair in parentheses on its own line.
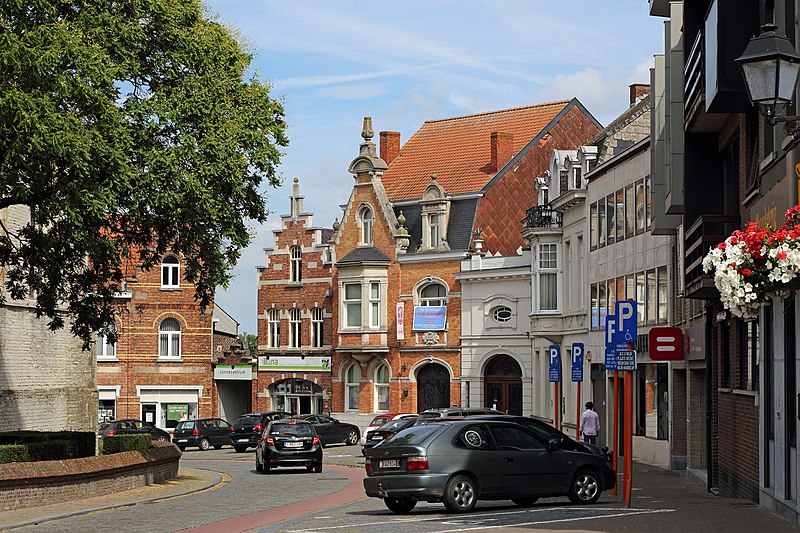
(128,129)
(249,342)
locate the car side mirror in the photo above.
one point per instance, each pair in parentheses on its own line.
(552,445)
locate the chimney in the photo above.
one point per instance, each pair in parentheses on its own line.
(390,145)
(638,90)
(502,149)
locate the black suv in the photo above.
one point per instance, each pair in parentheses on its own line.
(203,433)
(289,443)
(131,427)
(247,428)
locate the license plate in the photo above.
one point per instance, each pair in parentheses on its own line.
(243,440)
(181,440)
(293,444)
(376,437)
(390,463)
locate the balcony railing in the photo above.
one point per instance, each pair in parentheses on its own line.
(543,216)
(704,234)
(693,89)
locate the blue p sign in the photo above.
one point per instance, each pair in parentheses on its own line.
(577,362)
(554,352)
(626,321)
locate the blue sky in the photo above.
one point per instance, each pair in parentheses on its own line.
(404,62)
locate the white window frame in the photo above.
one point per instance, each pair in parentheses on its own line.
(350,305)
(170,272)
(545,270)
(352,387)
(374,304)
(433,300)
(104,349)
(367,218)
(273,328)
(434,229)
(317,320)
(295,321)
(171,338)
(295,264)
(381,386)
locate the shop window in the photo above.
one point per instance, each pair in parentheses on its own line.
(434,294)
(296,265)
(104,348)
(382,388)
(273,329)
(652,401)
(294,328)
(352,305)
(352,384)
(367,219)
(316,328)
(170,272)
(169,339)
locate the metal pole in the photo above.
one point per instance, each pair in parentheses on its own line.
(628,445)
(616,426)
(556,406)
(578,414)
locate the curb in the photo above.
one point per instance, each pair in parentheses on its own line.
(215,480)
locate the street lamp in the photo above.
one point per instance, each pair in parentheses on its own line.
(770,65)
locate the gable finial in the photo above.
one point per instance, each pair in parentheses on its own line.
(366,133)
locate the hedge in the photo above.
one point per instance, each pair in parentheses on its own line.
(50,450)
(124,443)
(85,441)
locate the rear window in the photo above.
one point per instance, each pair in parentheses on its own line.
(292,430)
(247,420)
(394,424)
(104,425)
(433,414)
(186,424)
(380,420)
(413,436)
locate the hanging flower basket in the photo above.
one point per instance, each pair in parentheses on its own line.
(755,264)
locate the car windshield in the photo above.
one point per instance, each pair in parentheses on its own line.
(250,420)
(413,436)
(291,430)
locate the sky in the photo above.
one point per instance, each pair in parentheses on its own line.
(331,63)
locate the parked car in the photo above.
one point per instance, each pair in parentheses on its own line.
(332,431)
(248,428)
(203,433)
(382,419)
(378,435)
(458,462)
(548,432)
(445,412)
(289,443)
(131,426)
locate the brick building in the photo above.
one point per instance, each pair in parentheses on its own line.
(409,221)
(160,366)
(294,316)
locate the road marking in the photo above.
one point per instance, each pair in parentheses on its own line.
(557,520)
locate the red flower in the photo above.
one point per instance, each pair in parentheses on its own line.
(781,254)
(721,246)
(745,272)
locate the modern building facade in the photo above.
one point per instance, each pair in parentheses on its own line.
(295,300)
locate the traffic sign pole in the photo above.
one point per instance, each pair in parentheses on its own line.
(578,414)
(616,427)
(628,429)
(556,406)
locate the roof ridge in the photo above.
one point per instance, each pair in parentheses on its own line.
(557,102)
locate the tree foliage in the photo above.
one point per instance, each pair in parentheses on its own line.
(128,129)
(250,343)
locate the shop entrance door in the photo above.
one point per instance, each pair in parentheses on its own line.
(149,413)
(433,387)
(503,391)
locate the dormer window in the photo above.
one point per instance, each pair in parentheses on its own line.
(434,217)
(367,218)
(576,183)
(563,178)
(433,223)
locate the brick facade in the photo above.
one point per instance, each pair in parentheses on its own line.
(278,292)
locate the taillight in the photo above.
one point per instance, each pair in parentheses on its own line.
(231,428)
(258,427)
(417,463)
(315,441)
(195,432)
(368,466)
(270,441)
(111,432)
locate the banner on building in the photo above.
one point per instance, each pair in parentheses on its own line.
(234,372)
(401,313)
(293,363)
(430,317)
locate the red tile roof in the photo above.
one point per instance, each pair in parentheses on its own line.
(458,150)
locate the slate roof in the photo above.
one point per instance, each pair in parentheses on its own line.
(458,150)
(459,224)
(366,254)
(327,233)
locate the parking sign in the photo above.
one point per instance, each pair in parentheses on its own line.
(554,352)
(577,362)
(626,321)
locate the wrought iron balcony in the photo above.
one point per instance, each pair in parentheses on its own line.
(704,234)
(543,216)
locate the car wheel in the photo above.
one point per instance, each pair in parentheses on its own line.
(585,488)
(352,437)
(460,494)
(524,502)
(400,505)
(239,449)
(267,469)
(204,444)
(259,466)
(218,446)
(318,468)
(161,438)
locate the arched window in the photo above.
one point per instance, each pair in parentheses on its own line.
(382,388)
(169,338)
(296,265)
(352,379)
(170,272)
(316,328)
(104,348)
(366,225)
(273,329)
(433,294)
(294,328)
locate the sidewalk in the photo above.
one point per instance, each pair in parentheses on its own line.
(189,480)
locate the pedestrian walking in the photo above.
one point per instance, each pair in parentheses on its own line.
(590,424)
